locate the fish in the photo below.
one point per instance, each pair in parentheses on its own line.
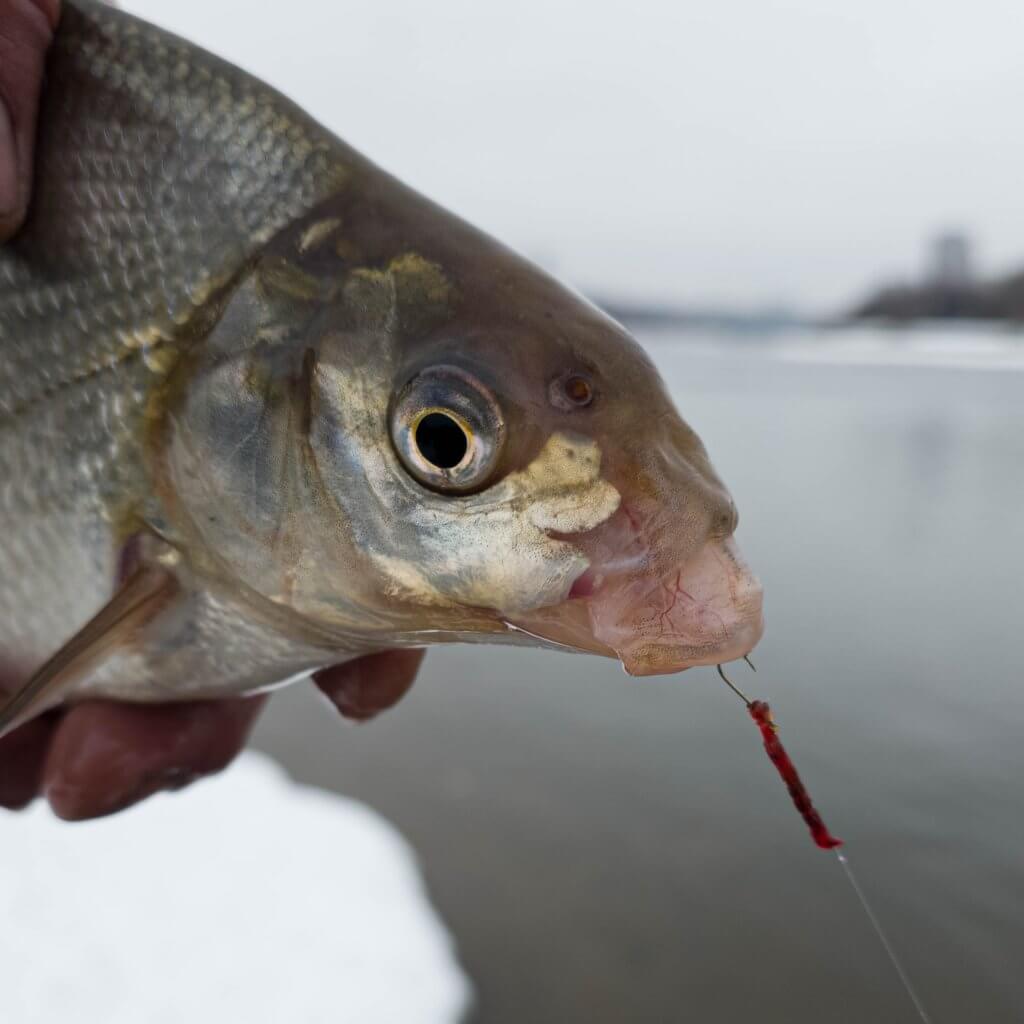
(263,409)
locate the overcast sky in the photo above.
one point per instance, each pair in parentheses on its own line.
(727,151)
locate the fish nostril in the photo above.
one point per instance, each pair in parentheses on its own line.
(725,521)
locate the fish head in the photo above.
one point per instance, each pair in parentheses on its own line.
(402,432)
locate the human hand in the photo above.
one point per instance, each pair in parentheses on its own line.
(26,29)
(99,757)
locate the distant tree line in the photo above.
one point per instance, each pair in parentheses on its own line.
(1002,299)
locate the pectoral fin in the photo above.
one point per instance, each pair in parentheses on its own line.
(139,599)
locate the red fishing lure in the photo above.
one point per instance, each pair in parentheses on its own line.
(762,716)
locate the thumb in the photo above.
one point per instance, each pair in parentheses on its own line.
(26,30)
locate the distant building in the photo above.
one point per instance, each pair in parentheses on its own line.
(949,261)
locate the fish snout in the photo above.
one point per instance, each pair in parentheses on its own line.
(706,611)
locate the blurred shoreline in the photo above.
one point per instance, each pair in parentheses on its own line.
(925,344)
(768,321)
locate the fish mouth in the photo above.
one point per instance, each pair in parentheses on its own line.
(707,611)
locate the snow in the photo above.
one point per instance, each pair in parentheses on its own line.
(954,346)
(248,898)
(930,345)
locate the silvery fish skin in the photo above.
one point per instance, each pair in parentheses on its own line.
(338,418)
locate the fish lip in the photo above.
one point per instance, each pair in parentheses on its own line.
(705,611)
(643,660)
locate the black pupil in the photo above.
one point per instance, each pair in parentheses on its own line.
(441,441)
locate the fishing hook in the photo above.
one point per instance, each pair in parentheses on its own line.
(735,689)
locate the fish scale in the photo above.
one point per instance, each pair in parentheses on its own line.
(231,170)
(160,170)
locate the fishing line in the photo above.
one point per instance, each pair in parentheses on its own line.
(886,945)
(761,714)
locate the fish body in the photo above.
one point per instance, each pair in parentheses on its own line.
(296,412)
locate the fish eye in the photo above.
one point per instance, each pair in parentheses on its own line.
(442,440)
(447,429)
(571,391)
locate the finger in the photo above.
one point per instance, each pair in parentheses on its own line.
(106,756)
(22,754)
(363,688)
(26,30)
